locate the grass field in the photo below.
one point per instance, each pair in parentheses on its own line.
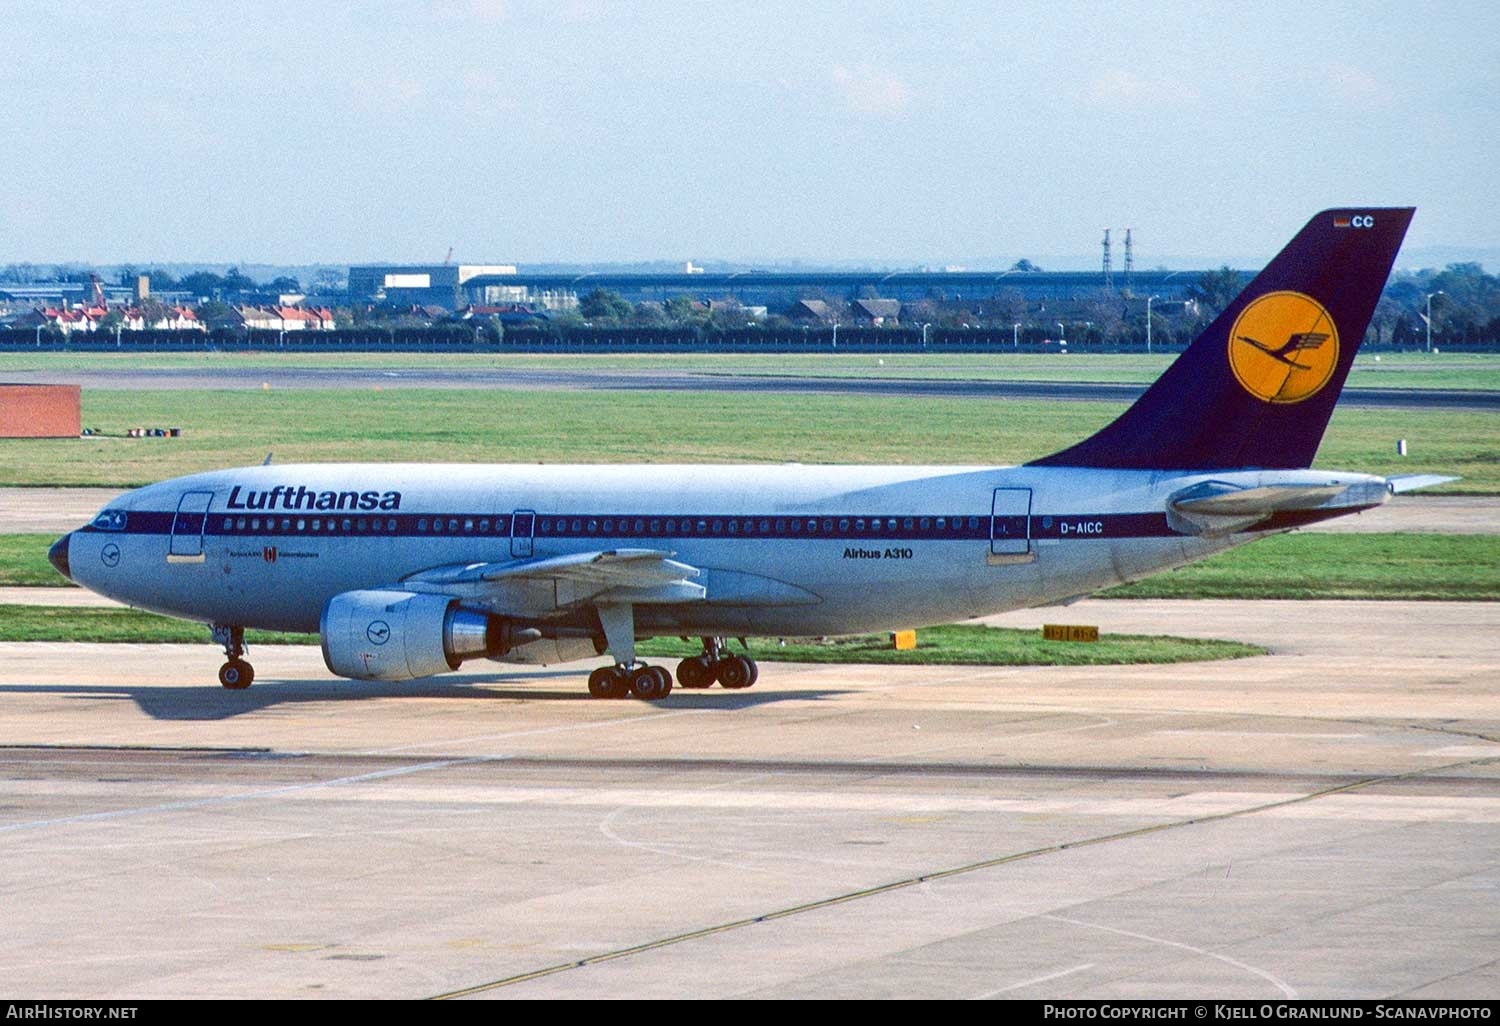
(966,645)
(1294,566)
(233,428)
(1338,566)
(1392,370)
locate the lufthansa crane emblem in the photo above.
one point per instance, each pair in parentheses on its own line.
(1283,347)
(378,632)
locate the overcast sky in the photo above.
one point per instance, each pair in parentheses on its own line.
(295,132)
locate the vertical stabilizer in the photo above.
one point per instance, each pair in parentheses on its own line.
(1256,389)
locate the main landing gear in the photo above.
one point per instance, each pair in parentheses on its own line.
(732,671)
(653,683)
(236,674)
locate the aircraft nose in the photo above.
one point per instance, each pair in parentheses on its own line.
(57,555)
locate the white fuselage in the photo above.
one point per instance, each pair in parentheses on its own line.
(783,550)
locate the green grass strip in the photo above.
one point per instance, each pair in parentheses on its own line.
(1451,567)
(973,645)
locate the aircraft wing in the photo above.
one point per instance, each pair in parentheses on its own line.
(611,575)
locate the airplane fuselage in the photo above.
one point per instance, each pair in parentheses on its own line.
(786,550)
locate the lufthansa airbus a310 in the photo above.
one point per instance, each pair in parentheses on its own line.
(409,570)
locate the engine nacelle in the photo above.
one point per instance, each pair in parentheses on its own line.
(399,635)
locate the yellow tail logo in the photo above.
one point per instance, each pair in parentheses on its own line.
(1283,347)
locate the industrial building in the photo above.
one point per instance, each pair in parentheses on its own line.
(430,284)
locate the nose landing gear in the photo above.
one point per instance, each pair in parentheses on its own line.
(236,674)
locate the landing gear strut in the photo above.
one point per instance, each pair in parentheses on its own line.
(628,676)
(732,671)
(236,674)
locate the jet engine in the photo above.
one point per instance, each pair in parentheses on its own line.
(399,635)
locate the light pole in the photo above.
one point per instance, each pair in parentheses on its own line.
(835,334)
(1439,292)
(924,335)
(39,336)
(1170,302)
(1062,334)
(1015,336)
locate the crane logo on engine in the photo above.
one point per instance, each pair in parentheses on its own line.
(378,632)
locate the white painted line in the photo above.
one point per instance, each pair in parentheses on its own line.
(229,799)
(561,728)
(1033,982)
(1286,988)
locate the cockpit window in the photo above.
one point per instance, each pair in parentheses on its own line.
(110,520)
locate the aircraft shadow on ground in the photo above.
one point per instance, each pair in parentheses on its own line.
(210,702)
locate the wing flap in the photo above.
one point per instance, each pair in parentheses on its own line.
(617,575)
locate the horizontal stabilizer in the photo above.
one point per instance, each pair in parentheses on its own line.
(1215,508)
(1411,482)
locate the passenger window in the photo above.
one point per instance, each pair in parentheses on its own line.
(827,526)
(255,523)
(890,525)
(812,527)
(859,525)
(702,527)
(718,527)
(640,527)
(942,523)
(671,528)
(437,526)
(421,525)
(926,524)
(781,527)
(734,527)
(593,527)
(843,526)
(301,524)
(286,524)
(468,527)
(973,523)
(484,527)
(656,527)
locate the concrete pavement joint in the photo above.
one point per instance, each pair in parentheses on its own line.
(972,867)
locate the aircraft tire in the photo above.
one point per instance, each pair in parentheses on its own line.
(696,672)
(236,675)
(609,682)
(736,672)
(651,683)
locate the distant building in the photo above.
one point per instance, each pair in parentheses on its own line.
(812,310)
(426,284)
(876,312)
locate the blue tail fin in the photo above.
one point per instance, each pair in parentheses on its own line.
(1256,389)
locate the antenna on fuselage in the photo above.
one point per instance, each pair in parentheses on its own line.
(267,461)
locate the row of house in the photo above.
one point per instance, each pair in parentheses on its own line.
(176,318)
(874,312)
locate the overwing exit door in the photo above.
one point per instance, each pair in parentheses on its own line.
(522,526)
